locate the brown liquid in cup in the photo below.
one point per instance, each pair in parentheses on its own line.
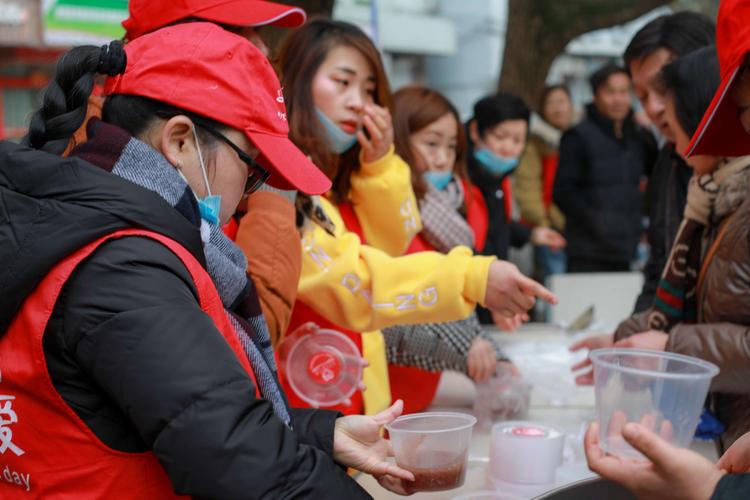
(445,477)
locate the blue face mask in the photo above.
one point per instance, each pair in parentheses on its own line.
(494,164)
(210,206)
(338,140)
(438,179)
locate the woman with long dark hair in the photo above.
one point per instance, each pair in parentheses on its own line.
(335,88)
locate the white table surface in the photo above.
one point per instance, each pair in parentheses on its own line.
(540,352)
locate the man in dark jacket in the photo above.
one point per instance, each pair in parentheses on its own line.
(602,162)
(659,42)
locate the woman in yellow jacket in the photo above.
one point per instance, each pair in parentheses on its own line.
(337,97)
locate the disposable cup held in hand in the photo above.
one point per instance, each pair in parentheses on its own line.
(323,368)
(434,447)
(663,391)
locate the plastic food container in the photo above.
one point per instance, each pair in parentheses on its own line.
(525,452)
(661,390)
(504,396)
(323,368)
(434,447)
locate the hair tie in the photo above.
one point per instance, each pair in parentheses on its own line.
(112,59)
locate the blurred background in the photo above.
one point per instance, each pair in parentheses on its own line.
(463,48)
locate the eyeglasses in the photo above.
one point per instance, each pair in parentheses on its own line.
(257,176)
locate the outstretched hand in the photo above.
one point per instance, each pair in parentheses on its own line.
(510,293)
(358,443)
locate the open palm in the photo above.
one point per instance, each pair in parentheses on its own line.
(358,443)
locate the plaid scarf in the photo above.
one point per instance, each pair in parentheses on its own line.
(112,149)
(443,225)
(711,197)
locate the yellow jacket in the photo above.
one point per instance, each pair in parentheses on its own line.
(364,289)
(383,199)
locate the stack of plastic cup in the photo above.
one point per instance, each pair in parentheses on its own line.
(525,453)
(661,390)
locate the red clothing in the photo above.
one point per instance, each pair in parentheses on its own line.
(47,451)
(549,170)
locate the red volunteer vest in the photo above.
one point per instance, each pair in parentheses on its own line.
(46,451)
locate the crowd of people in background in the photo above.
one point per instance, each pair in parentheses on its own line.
(164,238)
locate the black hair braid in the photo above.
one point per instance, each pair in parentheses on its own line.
(65,99)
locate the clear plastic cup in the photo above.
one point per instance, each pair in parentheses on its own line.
(434,447)
(661,390)
(324,368)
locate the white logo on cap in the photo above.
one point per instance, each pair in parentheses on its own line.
(281,115)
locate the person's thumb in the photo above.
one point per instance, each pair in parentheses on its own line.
(652,446)
(389,414)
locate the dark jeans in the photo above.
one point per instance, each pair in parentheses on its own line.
(582,265)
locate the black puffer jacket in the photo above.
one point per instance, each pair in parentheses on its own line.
(129,349)
(597,187)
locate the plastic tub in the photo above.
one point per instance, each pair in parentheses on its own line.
(661,390)
(434,447)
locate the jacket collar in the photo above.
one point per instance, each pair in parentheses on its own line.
(607,125)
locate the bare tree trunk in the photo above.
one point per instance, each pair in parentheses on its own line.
(274,37)
(539,30)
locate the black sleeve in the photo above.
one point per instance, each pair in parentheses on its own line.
(732,487)
(519,234)
(657,201)
(315,427)
(570,180)
(134,326)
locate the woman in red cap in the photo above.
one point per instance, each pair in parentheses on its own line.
(273,263)
(338,95)
(133,363)
(723,131)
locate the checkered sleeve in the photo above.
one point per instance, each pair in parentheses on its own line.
(434,346)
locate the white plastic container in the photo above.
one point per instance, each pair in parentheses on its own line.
(525,452)
(661,390)
(434,446)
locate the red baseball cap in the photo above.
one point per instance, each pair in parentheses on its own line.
(720,132)
(203,68)
(150,15)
